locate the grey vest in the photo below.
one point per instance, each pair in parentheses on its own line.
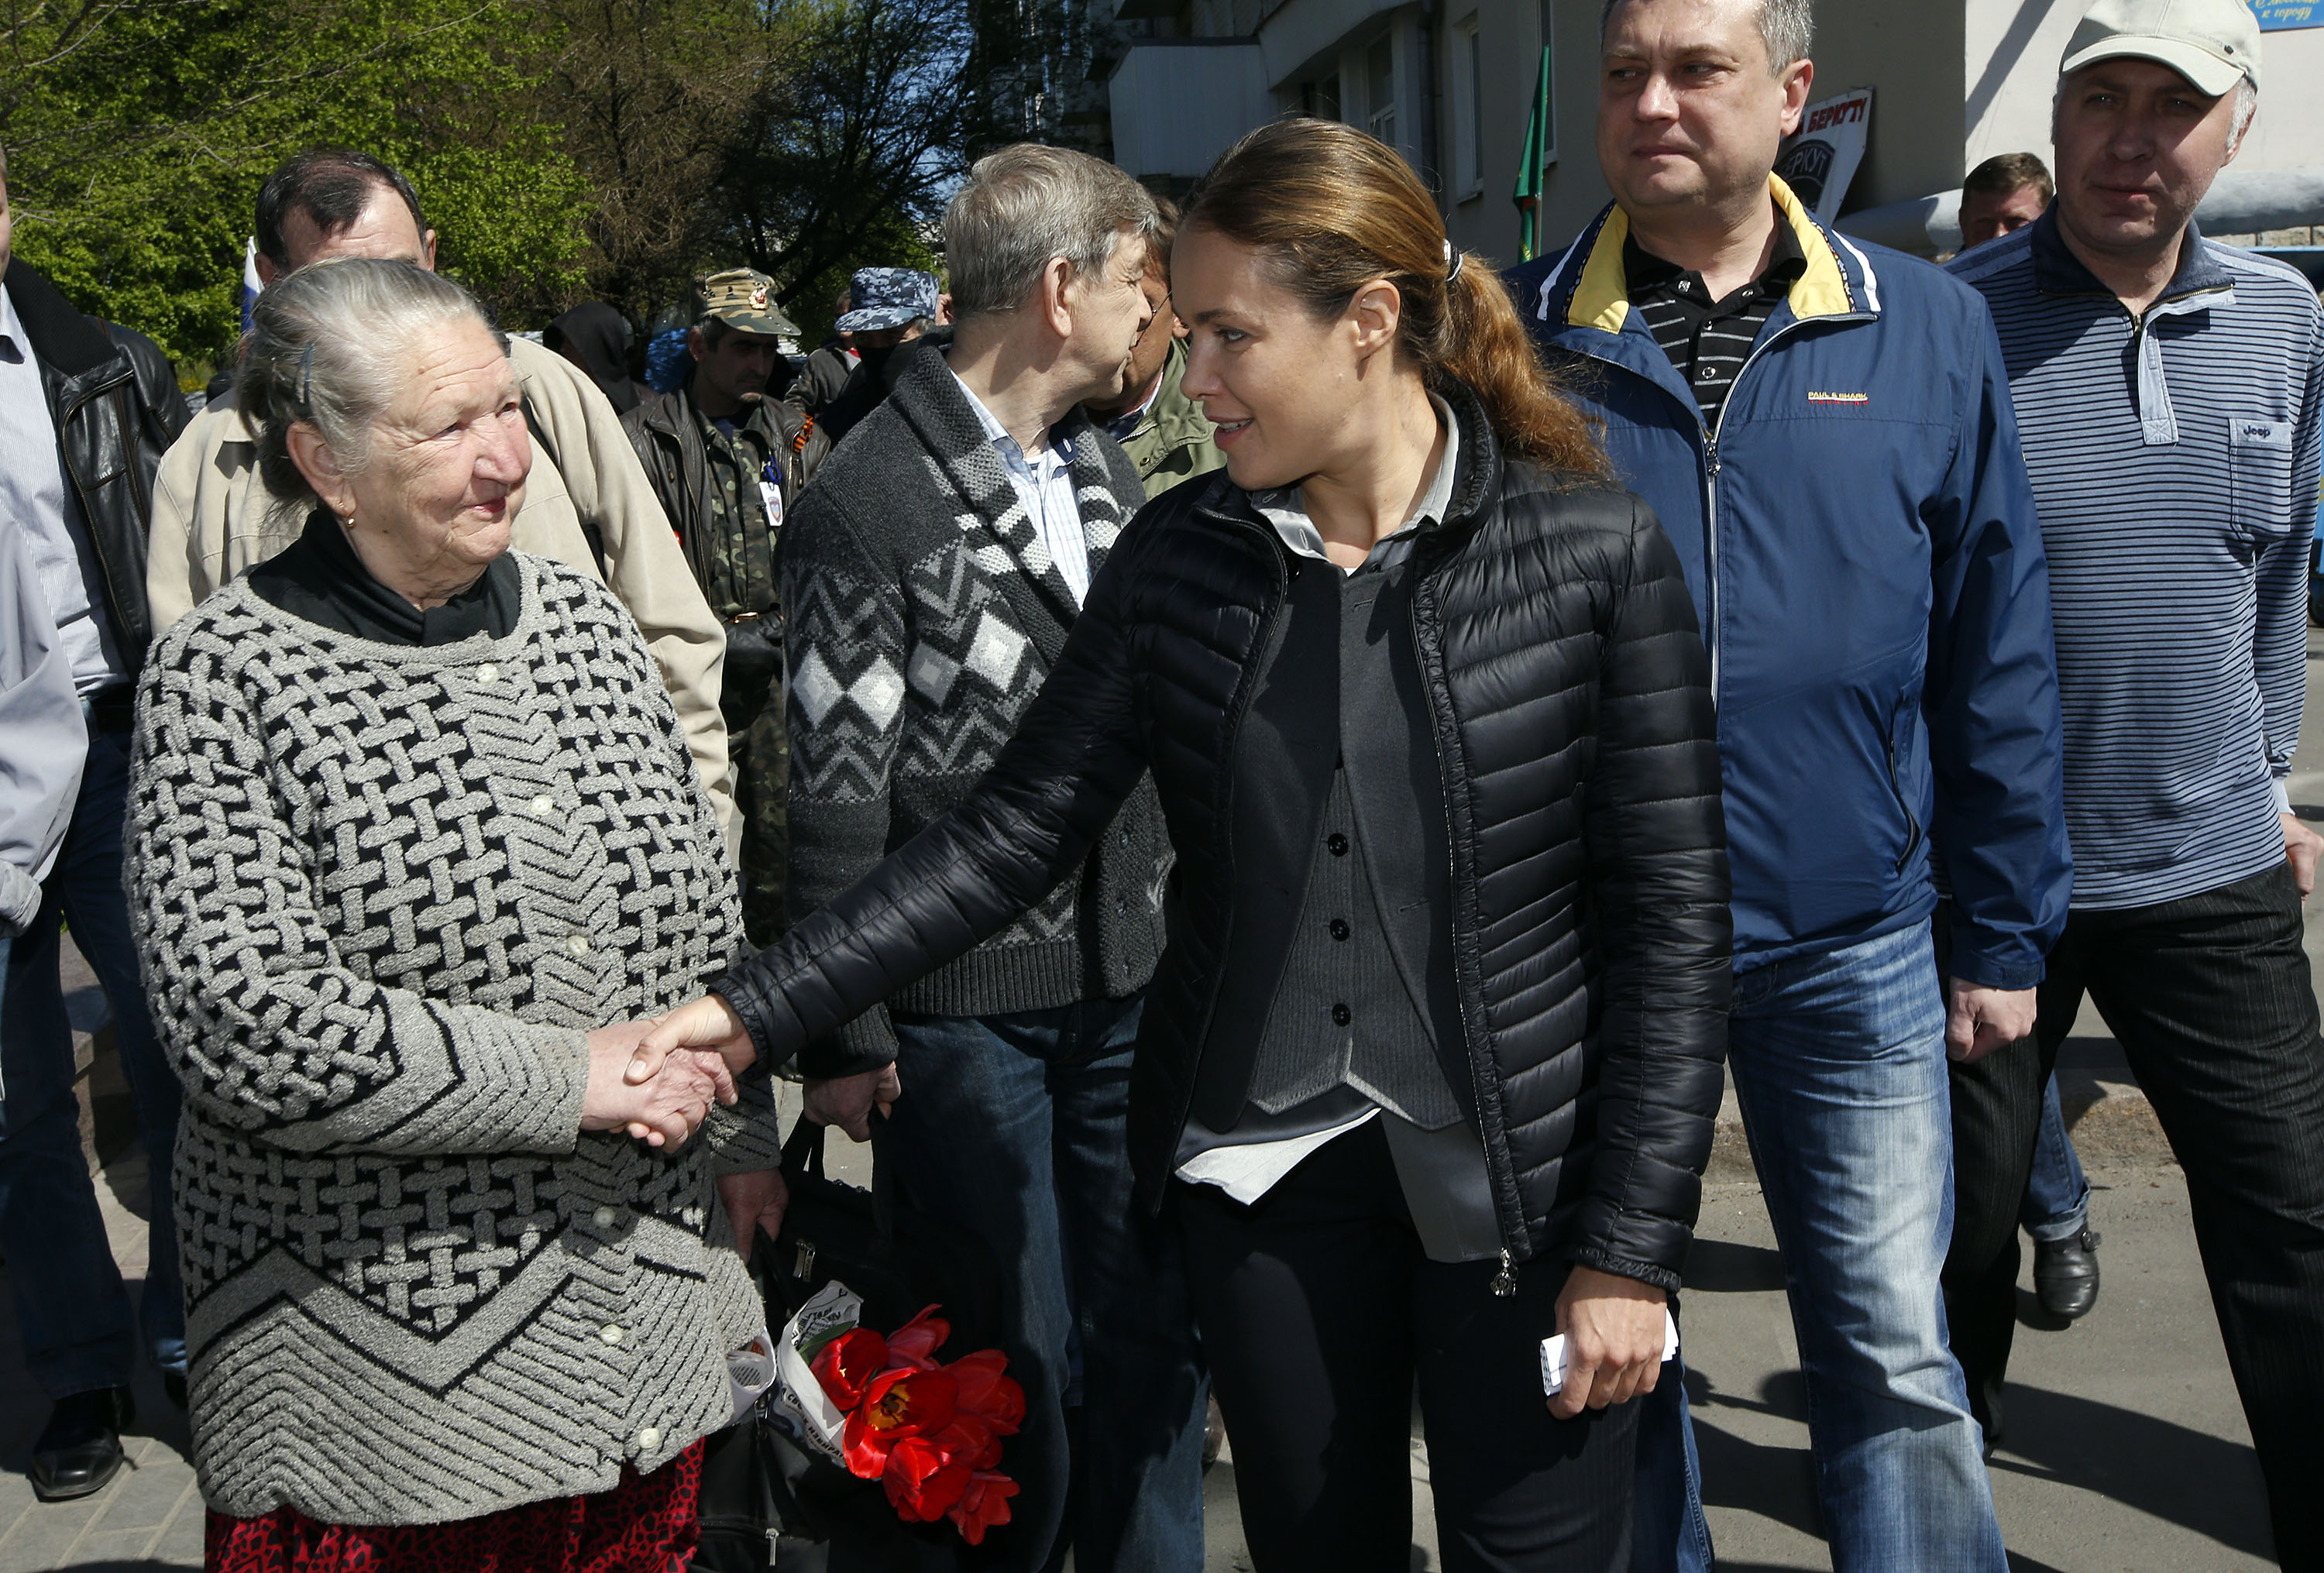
(1348,1011)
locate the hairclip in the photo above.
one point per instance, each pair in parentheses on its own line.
(306,375)
(1452,260)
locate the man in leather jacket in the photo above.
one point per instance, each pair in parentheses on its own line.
(87,410)
(725,459)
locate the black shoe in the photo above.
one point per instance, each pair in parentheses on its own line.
(2066,1274)
(79,1450)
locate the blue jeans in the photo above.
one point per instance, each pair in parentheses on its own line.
(1016,1128)
(1669,1533)
(1838,1063)
(2057,1196)
(73,1316)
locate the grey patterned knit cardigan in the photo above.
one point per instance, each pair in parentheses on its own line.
(923,615)
(381,895)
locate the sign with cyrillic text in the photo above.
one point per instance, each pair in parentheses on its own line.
(1819,160)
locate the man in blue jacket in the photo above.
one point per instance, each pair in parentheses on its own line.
(1825,430)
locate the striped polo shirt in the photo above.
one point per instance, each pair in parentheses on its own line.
(1708,340)
(2174,457)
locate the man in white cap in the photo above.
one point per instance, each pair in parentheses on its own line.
(2167,388)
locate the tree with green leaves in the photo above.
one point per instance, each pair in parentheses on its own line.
(138,133)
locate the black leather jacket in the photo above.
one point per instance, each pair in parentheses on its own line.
(116,407)
(1570,701)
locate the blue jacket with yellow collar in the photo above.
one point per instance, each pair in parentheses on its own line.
(1861,543)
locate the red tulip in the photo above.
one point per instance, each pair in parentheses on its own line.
(846,1365)
(995,1399)
(971,1440)
(984,1504)
(923,1479)
(897,1405)
(914,1343)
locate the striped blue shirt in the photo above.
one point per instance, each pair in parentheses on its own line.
(2174,463)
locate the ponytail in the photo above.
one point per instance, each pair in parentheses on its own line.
(1332,209)
(1486,347)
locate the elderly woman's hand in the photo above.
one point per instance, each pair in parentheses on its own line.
(663,1111)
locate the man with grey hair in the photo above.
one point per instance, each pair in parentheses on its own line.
(2170,390)
(930,574)
(1824,429)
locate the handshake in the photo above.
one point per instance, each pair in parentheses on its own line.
(658,1078)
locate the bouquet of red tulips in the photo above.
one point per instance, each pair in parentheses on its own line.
(890,1411)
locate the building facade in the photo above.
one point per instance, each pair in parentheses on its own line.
(1450,84)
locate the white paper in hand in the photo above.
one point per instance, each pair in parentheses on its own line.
(1552,1353)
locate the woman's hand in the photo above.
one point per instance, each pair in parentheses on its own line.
(708,1023)
(754,1202)
(662,1112)
(1613,1328)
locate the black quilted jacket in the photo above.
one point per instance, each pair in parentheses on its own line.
(1571,710)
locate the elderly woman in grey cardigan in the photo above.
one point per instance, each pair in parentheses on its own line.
(412,816)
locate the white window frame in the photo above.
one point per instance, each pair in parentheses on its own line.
(1377,113)
(1468,109)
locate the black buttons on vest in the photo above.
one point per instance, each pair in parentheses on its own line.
(1340,929)
(1336,844)
(1341,1016)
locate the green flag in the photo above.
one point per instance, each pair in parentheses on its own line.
(1538,143)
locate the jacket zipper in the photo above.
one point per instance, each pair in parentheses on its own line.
(1710,467)
(1505,1281)
(1911,820)
(1240,708)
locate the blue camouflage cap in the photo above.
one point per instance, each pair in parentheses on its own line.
(880,297)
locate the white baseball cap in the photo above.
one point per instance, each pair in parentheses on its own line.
(2210,43)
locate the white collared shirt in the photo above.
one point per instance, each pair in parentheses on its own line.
(1045,485)
(1287,510)
(33,491)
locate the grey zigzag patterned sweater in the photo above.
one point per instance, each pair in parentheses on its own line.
(381,895)
(923,615)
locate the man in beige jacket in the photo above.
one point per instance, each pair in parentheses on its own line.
(587,502)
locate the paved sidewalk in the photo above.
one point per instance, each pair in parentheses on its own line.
(150,1516)
(2127,1450)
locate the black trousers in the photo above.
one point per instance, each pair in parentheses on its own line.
(2211,1000)
(1318,1310)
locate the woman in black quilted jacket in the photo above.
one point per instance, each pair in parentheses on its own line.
(1428,1070)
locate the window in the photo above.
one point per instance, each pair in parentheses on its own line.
(1321,99)
(1379,88)
(1468,63)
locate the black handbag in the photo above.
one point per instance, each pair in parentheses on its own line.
(899,1260)
(767,1499)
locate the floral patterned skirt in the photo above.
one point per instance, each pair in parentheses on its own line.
(647,1523)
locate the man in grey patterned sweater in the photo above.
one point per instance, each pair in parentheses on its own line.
(932,571)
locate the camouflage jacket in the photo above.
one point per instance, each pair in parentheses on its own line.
(708,485)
